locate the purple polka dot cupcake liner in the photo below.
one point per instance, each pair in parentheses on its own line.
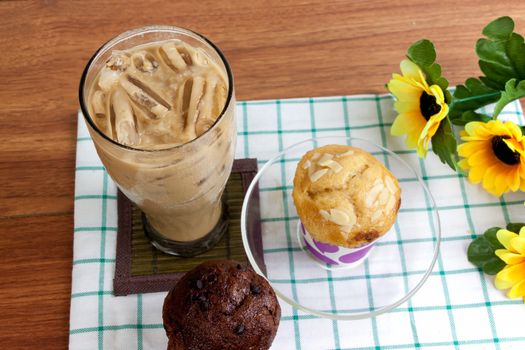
(333,255)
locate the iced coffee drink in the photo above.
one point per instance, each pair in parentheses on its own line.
(159,104)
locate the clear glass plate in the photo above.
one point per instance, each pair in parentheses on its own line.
(395,269)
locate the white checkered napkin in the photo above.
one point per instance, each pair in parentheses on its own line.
(457,308)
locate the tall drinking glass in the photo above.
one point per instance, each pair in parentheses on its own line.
(177,187)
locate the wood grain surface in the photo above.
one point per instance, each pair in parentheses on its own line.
(277,49)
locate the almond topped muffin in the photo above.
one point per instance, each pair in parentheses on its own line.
(345,196)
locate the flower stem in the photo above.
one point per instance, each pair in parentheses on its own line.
(458,101)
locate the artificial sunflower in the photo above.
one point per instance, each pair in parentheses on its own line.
(494,155)
(421,107)
(512,276)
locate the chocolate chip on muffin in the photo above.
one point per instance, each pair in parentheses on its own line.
(344,196)
(221,305)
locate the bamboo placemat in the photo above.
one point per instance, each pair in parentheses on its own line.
(141,268)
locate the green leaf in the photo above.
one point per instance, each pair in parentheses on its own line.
(448,96)
(515,226)
(515,49)
(501,58)
(499,28)
(514,90)
(481,252)
(471,96)
(422,53)
(492,236)
(434,72)
(470,116)
(501,54)
(497,74)
(493,266)
(444,144)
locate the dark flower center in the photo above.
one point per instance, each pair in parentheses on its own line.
(428,105)
(503,152)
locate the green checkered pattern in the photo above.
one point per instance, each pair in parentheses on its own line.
(457,308)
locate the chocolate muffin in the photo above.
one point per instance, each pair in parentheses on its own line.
(221,304)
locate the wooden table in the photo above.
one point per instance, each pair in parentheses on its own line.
(280,48)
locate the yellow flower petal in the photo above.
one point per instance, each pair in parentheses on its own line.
(504,237)
(501,182)
(506,180)
(475,174)
(427,133)
(467,148)
(518,245)
(432,129)
(463,164)
(480,157)
(478,129)
(518,290)
(436,91)
(514,130)
(421,149)
(410,124)
(521,170)
(411,140)
(422,83)
(512,273)
(522,232)
(401,124)
(406,107)
(489,177)
(404,91)
(498,128)
(514,178)
(509,257)
(443,112)
(409,69)
(511,145)
(502,284)
(468,138)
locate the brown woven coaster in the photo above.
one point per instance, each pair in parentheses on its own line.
(141,268)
